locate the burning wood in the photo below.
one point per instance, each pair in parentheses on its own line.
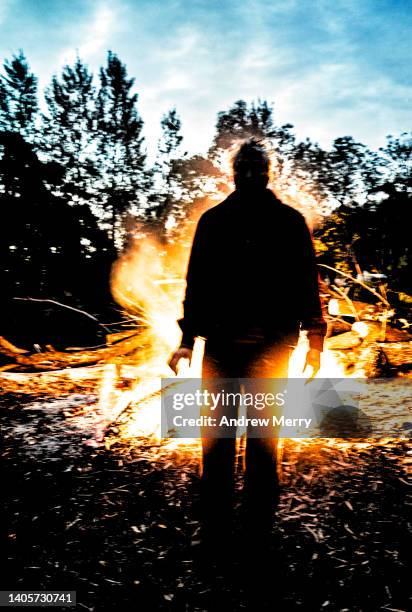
(125,373)
(56,360)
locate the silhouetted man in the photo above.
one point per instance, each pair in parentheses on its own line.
(252,284)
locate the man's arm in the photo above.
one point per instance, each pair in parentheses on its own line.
(194,302)
(312,310)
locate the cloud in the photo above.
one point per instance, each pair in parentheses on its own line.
(5,7)
(95,37)
(331,68)
(99,31)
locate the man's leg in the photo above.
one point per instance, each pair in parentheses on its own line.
(217,489)
(261,490)
(218,465)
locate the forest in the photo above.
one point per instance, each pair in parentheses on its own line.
(94,242)
(77,189)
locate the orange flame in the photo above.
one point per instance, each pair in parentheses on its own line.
(148,281)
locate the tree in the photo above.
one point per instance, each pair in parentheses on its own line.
(40,233)
(171,135)
(18,97)
(69,130)
(164,200)
(350,171)
(242,122)
(309,164)
(397,161)
(69,140)
(120,152)
(46,248)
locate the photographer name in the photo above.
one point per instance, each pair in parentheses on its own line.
(242,421)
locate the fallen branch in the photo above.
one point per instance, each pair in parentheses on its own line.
(348,301)
(356,280)
(48,301)
(56,360)
(397,353)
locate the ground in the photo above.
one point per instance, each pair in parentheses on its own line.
(118,524)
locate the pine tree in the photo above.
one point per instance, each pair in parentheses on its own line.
(120,146)
(242,122)
(18,97)
(165,200)
(344,178)
(69,140)
(69,129)
(171,134)
(397,161)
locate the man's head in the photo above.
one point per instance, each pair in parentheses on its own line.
(251,166)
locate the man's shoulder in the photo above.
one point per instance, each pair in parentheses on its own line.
(227,209)
(292,214)
(284,213)
(216,212)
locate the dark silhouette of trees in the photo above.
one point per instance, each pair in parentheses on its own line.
(241,122)
(171,136)
(18,97)
(120,155)
(40,234)
(69,130)
(164,208)
(397,161)
(69,138)
(346,177)
(74,180)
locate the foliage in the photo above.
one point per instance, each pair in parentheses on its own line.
(69,129)
(120,153)
(75,179)
(18,96)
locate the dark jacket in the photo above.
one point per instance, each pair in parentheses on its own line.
(252,273)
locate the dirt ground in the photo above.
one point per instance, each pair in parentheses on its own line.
(118,524)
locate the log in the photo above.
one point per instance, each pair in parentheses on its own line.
(397,335)
(9,350)
(398,354)
(365,360)
(366,332)
(371,331)
(56,360)
(343,341)
(32,321)
(376,331)
(341,307)
(338,326)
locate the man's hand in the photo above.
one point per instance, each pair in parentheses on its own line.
(313,360)
(181,353)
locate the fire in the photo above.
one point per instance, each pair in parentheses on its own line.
(330,365)
(288,187)
(148,281)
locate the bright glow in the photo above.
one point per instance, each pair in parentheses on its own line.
(333,307)
(360,328)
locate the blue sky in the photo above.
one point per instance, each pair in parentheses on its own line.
(332,67)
